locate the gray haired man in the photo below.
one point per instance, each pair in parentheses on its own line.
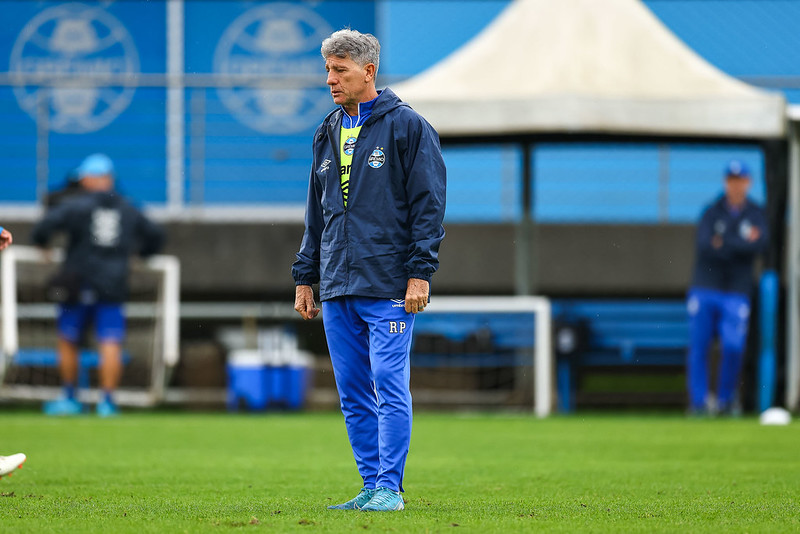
(376,200)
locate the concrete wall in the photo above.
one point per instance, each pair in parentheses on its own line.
(253,261)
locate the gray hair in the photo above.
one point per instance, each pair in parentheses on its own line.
(363,48)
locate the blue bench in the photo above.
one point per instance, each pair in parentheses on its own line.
(505,334)
(44,357)
(622,332)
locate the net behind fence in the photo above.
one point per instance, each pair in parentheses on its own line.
(477,352)
(29,367)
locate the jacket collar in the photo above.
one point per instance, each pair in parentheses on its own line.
(364,112)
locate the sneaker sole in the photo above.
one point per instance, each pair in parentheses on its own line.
(400,508)
(18,467)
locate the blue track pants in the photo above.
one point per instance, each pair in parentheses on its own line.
(369,340)
(713,313)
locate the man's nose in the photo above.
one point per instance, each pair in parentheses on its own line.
(331,79)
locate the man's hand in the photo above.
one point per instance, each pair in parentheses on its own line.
(304,302)
(5,239)
(416,295)
(716,242)
(755,233)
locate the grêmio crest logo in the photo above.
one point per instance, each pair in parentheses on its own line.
(62,44)
(377,158)
(349,145)
(274,49)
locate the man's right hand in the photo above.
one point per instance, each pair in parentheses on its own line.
(304,302)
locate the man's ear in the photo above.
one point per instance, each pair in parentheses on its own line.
(369,72)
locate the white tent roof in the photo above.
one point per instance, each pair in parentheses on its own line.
(599,66)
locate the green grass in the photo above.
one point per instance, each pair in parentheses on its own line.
(168,472)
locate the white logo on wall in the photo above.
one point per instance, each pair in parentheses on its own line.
(267,43)
(63,43)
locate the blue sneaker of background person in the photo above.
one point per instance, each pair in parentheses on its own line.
(384,500)
(106,408)
(63,406)
(356,503)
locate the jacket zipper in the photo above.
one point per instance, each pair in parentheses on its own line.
(332,142)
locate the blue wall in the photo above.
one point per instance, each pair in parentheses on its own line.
(127,123)
(247,146)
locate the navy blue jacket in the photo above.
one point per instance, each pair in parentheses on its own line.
(730,267)
(104,230)
(391,229)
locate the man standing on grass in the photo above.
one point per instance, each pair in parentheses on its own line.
(731,234)
(104,230)
(376,200)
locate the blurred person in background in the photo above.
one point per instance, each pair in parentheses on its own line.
(374,215)
(9,463)
(103,231)
(732,232)
(70,187)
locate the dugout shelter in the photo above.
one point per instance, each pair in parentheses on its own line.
(581,70)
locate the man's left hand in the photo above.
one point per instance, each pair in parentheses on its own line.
(416,295)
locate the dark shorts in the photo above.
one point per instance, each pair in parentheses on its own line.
(108,320)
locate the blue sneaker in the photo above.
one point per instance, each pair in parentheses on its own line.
(63,406)
(384,500)
(356,503)
(107,409)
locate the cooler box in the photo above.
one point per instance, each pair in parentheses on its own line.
(258,386)
(247,380)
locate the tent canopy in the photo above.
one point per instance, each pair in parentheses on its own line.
(584,66)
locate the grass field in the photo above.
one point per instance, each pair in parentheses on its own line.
(172,472)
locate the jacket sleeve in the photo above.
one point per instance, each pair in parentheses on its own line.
(705,233)
(739,246)
(305,270)
(426,183)
(55,219)
(149,235)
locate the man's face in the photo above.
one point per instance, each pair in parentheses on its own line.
(736,189)
(349,82)
(97,182)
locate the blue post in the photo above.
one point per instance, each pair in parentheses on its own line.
(768,322)
(564,383)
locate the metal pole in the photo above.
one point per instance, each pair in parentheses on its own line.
(42,142)
(524,231)
(663,183)
(793,270)
(768,326)
(8,299)
(175,105)
(197,147)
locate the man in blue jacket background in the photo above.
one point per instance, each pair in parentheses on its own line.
(732,232)
(376,201)
(103,231)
